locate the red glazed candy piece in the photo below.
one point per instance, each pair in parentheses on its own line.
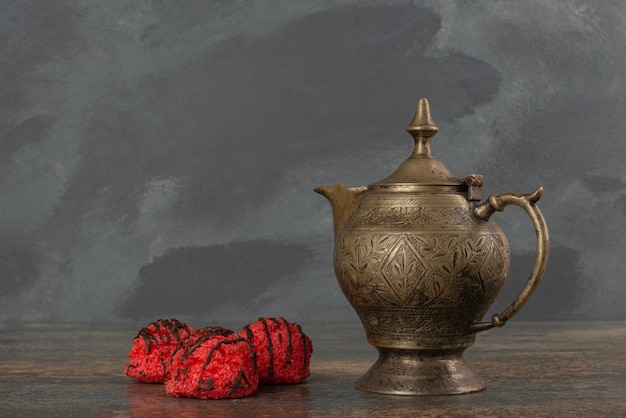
(149,356)
(214,363)
(283,351)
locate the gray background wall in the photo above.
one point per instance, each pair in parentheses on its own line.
(158,158)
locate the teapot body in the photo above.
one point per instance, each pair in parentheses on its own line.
(420,268)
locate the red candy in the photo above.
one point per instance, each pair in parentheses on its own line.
(213,363)
(152,348)
(283,351)
(216,363)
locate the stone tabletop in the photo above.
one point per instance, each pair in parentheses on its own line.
(532,369)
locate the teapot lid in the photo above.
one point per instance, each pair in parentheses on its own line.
(422,171)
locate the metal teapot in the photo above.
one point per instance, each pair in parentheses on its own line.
(420,260)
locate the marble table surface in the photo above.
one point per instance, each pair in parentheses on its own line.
(532,369)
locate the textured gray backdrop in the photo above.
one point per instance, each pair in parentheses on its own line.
(158,158)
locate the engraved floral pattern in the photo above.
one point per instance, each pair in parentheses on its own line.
(442,270)
(402,270)
(420,283)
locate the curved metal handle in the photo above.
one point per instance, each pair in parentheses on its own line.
(526,202)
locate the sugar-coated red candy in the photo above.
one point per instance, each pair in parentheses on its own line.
(149,356)
(283,351)
(213,363)
(194,337)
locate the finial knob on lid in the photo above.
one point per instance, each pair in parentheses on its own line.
(422,123)
(421,168)
(422,128)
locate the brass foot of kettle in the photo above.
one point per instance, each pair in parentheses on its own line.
(420,372)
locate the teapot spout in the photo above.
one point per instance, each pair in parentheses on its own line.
(343,202)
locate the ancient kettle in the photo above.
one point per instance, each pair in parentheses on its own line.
(420,260)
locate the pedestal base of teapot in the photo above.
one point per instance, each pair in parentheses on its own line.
(420,372)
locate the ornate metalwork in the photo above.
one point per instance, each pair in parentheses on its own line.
(421,262)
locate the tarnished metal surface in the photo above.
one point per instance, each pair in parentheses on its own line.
(421,262)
